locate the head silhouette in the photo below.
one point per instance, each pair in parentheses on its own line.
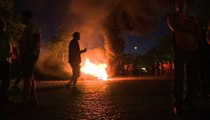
(76,35)
(181,7)
(26,16)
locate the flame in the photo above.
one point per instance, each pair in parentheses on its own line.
(97,70)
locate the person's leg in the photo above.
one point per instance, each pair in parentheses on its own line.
(27,70)
(26,88)
(33,81)
(33,91)
(191,78)
(76,75)
(178,83)
(4,71)
(68,85)
(18,79)
(202,72)
(19,75)
(71,85)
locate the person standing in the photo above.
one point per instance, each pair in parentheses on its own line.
(186,39)
(5,61)
(204,52)
(74,60)
(29,54)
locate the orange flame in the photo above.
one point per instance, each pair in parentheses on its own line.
(95,70)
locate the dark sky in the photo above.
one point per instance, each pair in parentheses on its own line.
(141,22)
(48,13)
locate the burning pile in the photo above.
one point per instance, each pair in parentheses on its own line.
(97,70)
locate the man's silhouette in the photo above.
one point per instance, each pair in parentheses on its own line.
(74,60)
(186,39)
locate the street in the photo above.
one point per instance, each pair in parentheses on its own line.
(123,98)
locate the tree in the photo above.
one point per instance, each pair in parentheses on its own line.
(13,24)
(165,48)
(58,45)
(162,51)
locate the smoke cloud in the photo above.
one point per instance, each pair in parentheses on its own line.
(103,24)
(111,19)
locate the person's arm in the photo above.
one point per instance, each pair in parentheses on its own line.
(36,38)
(170,22)
(83,51)
(14,53)
(174,26)
(177,24)
(10,49)
(36,41)
(11,44)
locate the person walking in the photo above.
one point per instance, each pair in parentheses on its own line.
(74,60)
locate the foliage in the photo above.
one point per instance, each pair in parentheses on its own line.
(6,7)
(163,51)
(13,24)
(58,44)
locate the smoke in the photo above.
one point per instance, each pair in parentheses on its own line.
(104,23)
(111,19)
(51,67)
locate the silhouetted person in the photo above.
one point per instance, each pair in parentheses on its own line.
(5,60)
(74,60)
(29,54)
(186,38)
(156,69)
(204,55)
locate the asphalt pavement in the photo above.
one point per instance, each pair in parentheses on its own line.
(122,98)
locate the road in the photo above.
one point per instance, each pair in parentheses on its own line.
(123,98)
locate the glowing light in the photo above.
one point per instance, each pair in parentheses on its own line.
(97,70)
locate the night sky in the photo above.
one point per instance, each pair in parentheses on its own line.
(138,22)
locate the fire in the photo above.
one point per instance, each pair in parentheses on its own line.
(97,70)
